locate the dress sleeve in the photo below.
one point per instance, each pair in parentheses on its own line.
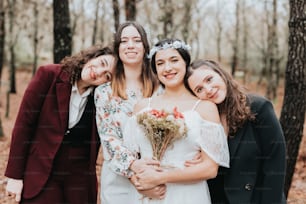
(110,132)
(213,142)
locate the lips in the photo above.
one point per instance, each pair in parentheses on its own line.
(131,54)
(213,95)
(170,76)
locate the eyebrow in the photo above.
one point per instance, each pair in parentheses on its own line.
(133,37)
(104,61)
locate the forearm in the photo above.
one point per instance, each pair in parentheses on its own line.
(202,171)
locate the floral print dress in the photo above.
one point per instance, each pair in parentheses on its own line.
(112,114)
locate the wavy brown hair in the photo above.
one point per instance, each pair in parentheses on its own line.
(148,78)
(75,63)
(236,105)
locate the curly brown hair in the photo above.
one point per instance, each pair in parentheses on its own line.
(236,106)
(75,63)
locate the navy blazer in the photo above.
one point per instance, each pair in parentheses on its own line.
(39,131)
(257,161)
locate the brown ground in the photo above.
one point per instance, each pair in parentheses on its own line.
(297,194)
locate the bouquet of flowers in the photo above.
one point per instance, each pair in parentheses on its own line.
(162,128)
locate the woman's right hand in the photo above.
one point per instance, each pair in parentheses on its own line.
(14,188)
(140,164)
(158,192)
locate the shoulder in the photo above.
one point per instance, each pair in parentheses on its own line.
(208,111)
(106,87)
(46,73)
(102,94)
(258,103)
(49,68)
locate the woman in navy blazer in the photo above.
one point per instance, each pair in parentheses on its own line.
(255,139)
(55,142)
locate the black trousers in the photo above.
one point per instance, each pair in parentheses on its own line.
(69,179)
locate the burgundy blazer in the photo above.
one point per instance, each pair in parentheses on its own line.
(39,130)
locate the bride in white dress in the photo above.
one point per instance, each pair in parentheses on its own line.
(205,134)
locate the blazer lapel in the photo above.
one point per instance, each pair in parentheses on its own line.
(233,142)
(63,92)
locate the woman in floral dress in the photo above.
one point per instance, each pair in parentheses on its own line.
(115,101)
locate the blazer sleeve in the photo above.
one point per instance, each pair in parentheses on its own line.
(272,145)
(26,121)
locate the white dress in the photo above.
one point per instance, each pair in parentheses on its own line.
(202,135)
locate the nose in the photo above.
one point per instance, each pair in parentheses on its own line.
(208,89)
(168,66)
(130,43)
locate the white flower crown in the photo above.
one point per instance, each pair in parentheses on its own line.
(176,45)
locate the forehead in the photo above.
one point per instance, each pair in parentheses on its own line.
(199,74)
(204,71)
(109,58)
(130,31)
(167,53)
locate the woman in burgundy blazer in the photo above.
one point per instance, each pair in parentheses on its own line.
(49,161)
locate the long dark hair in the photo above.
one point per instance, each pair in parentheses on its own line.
(148,79)
(235,107)
(75,63)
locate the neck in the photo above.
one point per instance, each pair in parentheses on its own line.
(176,92)
(132,76)
(82,87)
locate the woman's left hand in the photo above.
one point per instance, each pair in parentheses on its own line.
(148,178)
(196,160)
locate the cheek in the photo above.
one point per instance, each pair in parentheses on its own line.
(85,73)
(201,96)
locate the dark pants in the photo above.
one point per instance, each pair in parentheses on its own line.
(69,179)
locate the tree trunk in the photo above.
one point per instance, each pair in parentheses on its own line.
(293,111)
(12,42)
(116,13)
(186,20)
(130,10)
(245,42)
(62,32)
(166,7)
(95,26)
(2,37)
(273,55)
(35,38)
(236,40)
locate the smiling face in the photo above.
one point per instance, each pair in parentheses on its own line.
(170,67)
(208,84)
(131,48)
(98,70)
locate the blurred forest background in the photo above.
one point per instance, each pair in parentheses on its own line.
(262,43)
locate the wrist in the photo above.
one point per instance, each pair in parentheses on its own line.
(163,178)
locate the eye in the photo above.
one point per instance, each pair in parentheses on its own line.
(199,90)
(209,79)
(123,41)
(158,64)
